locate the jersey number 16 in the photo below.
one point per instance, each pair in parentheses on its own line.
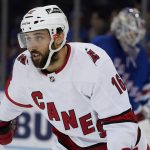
(118,83)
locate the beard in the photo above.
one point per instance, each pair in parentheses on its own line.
(39,60)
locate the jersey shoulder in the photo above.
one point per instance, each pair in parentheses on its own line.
(107,42)
(23,58)
(14,89)
(90,52)
(102,39)
(22,65)
(88,61)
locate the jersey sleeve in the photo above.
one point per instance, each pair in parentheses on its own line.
(14,101)
(9,111)
(109,96)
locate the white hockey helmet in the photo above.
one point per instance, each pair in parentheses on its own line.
(49,17)
(128,26)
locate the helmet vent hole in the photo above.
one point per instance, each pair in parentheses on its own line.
(29,17)
(35,22)
(52,31)
(41,20)
(59,30)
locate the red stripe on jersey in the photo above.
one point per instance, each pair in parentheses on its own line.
(66,141)
(148,148)
(127,116)
(11,100)
(3,123)
(67,58)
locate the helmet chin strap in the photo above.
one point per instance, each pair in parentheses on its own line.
(52,51)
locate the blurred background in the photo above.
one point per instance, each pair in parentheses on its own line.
(87,19)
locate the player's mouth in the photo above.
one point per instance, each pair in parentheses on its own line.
(35,56)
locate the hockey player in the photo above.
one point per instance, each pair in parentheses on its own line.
(74,85)
(128,55)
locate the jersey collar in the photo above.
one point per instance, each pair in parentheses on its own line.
(45,72)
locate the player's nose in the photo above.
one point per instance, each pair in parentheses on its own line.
(32,45)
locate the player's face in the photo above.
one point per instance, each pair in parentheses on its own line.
(38,45)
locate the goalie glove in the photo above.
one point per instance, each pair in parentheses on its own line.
(7,131)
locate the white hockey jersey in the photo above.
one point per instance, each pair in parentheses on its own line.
(86,88)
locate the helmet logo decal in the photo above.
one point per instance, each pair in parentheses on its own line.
(54,10)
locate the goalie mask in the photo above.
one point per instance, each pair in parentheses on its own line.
(48,17)
(129,28)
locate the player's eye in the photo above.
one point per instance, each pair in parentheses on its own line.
(27,38)
(39,38)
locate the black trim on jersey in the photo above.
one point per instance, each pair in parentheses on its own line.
(138,136)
